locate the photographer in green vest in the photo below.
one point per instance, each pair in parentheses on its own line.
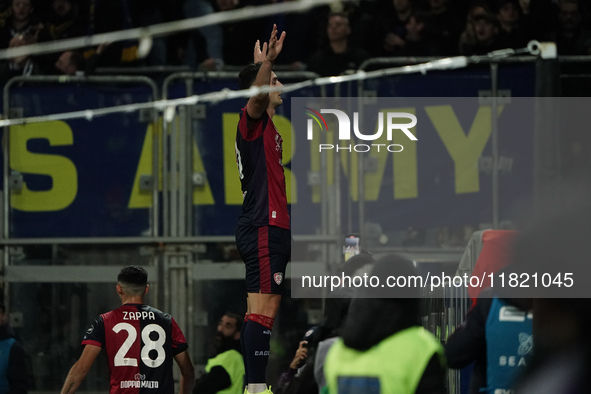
(225,371)
(383,349)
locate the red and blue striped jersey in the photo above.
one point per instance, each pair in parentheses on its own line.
(140,342)
(259,149)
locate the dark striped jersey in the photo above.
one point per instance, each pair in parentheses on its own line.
(140,342)
(259,149)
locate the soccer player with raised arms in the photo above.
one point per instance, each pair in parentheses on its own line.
(263,235)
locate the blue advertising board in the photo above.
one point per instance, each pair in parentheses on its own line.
(81,177)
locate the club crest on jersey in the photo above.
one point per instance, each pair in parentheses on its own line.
(278,277)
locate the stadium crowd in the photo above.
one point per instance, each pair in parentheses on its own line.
(326,40)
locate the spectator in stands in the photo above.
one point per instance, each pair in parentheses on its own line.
(21,65)
(383,346)
(144,13)
(539,17)
(205,45)
(445,22)
(468,36)
(104,17)
(392,22)
(70,63)
(338,56)
(225,370)
(63,21)
(20,23)
(485,32)
(420,40)
(238,36)
(570,37)
(511,33)
(306,26)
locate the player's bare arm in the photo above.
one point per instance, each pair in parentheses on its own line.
(187,372)
(257,105)
(79,370)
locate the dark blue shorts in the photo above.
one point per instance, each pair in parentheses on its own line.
(265,252)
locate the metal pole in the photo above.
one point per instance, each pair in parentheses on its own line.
(494,66)
(6,172)
(182,173)
(174,172)
(360,181)
(156,174)
(165,180)
(189,138)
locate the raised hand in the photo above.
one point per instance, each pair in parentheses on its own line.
(260,54)
(301,354)
(275,45)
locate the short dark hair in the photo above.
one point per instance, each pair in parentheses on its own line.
(248,75)
(239,319)
(133,275)
(339,14)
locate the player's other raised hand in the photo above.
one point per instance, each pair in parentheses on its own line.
(260,54)
(275,45)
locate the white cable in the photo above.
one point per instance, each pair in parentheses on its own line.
(227,94)
(168,106)
(162,29)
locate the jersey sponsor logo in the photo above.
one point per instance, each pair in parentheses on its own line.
(140,382)
(138,315)
(278,276)
(526,343)
(274,214)
(261,353)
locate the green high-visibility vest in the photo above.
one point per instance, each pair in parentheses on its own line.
(393,366)
(232,362)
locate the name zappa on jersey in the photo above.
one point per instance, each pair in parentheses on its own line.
(138,315)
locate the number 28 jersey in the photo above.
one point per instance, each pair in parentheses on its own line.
(140,342)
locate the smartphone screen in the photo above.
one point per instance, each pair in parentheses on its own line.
(351,247)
